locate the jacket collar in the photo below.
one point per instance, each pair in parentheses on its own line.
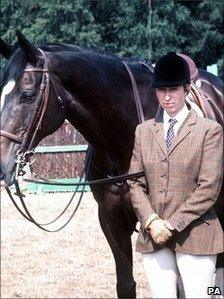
(184,130)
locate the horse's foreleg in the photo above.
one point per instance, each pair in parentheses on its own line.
(119,239)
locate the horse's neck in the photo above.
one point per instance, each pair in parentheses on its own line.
(101,104)
(104,138)
(97,90)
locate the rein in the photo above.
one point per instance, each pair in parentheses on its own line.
(110,179)
(26,214)
(28,140)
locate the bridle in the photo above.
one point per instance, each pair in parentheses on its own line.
(27,141)
(28,136)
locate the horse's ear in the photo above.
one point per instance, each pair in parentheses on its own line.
(6,50)
(31,52)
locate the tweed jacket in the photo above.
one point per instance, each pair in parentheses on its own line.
(180,185)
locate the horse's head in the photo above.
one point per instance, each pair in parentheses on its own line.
(31,106)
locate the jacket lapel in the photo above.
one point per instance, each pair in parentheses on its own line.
(158,130)
(184,130)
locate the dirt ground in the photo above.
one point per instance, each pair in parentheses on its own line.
(73,263)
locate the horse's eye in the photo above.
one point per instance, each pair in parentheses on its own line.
(28,96)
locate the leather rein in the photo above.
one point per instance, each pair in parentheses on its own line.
(27,138)
(27,141)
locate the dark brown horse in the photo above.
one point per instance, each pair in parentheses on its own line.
(93,91)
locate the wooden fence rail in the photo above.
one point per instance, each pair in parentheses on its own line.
(60,163)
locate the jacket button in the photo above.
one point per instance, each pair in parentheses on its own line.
(162,191)
(164,160)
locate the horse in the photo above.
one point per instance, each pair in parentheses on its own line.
(92,90)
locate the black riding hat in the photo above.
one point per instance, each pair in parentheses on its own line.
(171,70)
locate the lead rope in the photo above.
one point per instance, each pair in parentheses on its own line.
(30,218)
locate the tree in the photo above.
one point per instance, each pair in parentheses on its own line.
(49,21)
(124,26)
(212,49)
(192,27)
(131,28)
(140,28)
(169,30)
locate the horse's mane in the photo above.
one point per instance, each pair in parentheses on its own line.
(17,62)
(100,54)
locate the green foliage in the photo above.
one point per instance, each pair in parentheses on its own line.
(49,21)
(191,27)
(124,27)
(130,28)
(194,28)
(169,28)
(212,48)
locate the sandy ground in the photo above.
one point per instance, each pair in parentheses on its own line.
(73,263)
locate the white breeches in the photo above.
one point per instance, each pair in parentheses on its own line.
(162,269)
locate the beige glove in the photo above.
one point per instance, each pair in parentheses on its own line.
(169,226)
(159,232)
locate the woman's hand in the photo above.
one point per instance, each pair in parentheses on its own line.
(169,225)
(159,232)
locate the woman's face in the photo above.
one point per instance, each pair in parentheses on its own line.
(171,99)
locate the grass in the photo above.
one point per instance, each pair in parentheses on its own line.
(73,263)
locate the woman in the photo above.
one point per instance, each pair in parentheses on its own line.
(181,156)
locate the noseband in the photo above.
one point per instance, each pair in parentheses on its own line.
(27,139)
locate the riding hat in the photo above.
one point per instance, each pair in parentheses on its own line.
(171,70)
(192,66)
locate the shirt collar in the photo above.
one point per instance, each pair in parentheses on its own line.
(180,116)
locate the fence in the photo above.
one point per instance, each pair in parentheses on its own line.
(63,163)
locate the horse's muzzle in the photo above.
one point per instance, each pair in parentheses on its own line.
(1,173)
(2,183)
(5,179)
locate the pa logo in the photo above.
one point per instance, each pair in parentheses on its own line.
(214,291)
